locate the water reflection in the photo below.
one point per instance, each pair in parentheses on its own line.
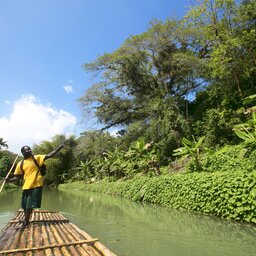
(138,229)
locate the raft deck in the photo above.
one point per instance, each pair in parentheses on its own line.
(49,233)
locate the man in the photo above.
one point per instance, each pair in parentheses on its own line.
(33,180)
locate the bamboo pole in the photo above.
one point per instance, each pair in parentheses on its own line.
(9,173)
(39,211)
(46,221)
(49,246)
(46,237)
(52,239)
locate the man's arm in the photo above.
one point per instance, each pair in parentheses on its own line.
(15,178)
(54,152)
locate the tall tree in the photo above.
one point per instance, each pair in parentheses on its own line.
(224,35)
(146,79)
(93,144)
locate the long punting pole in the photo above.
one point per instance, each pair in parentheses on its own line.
(9,173)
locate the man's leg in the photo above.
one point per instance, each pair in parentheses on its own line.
(26,205)
(31,199)
(27,213)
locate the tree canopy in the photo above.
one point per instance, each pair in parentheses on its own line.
(172,79)
(178,82)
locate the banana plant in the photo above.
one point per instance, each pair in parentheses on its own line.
(83,171)
(191,148)
(143,157)
(250,100)
(247,131)
(116,163)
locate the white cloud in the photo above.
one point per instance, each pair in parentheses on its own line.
(68,89)
(31,122)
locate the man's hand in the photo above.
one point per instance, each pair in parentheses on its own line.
(6,180)
(62,146)
(54,152)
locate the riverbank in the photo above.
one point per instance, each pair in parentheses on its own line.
(227,195)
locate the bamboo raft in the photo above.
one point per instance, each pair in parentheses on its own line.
(49,233)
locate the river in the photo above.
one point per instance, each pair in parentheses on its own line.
(136,229)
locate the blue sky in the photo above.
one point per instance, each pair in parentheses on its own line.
(43,45)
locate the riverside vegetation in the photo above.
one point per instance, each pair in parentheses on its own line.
(182,98)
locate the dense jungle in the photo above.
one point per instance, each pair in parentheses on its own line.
(182,99)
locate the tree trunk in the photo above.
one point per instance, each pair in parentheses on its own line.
(237,81)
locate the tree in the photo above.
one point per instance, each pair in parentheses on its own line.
(93,144)
(191,148)
(3,144)
(146,68)
(4,166)
(224,35)
(60,164)
(146,80)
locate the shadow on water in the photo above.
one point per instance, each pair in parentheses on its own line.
(138,229)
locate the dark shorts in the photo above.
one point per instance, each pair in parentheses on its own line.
(31,198)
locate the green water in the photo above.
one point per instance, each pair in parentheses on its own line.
(136,229)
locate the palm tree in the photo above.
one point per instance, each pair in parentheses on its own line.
(3,143)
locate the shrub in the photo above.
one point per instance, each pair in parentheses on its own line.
(231,195)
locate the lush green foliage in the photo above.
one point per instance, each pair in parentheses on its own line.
(4,166)
(181,78)
(6,161)
(228,158)
(191,149)
(247,131)
(56,167)
(230,195)
(140,158)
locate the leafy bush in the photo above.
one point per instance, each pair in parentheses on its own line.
(191,149)
(231,195)
(229,158)
(247,131)
(4,166)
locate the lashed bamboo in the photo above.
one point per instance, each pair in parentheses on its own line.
(49,233)
(70,248)
(99,246)
(45,237)
(31,242)
(84,249)
(59,240)
(71,237)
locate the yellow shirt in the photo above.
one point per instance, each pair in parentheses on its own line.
(32,177)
